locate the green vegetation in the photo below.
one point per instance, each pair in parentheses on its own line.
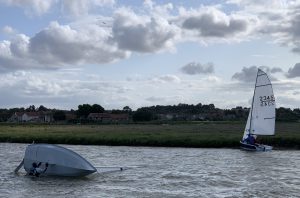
(180,112)
(59,115)
(189,134)
(85,109)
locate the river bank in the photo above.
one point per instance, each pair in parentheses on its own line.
(196,134)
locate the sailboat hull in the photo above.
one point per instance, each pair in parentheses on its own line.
(61,161)
(255,147)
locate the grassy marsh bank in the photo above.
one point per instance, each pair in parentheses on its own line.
(197,134)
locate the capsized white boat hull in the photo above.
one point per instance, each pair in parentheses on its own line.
(61,161)
(255,147)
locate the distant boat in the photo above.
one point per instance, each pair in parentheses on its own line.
(59,161)
(261,118)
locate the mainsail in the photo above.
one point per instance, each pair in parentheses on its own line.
(261,119)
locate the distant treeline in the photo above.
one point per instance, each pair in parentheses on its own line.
(180,112)
(186,112)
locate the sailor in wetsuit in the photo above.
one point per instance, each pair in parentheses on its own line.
(35,170)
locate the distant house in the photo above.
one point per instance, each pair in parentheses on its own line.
(165,116)
(48,116)
(31,117)
(16,117)
(186,117)
(119,117)
(108,117)
(99,116)
(70,116)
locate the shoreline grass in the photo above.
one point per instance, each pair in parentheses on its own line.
(196,134)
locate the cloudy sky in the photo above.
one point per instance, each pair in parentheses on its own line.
(61,53)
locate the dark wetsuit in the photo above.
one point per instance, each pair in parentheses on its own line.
(250,140)
(35,170)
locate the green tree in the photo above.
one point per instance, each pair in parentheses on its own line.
(84,110)
(42,108)
(31,108)
(59,115)
(97,109)
(142,115)
(286,114)
(127,109)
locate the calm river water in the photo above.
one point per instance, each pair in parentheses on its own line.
(161,172)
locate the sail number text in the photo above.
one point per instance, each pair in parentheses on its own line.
(267,100)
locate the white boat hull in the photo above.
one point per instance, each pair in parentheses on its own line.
(255,147)
(61,161)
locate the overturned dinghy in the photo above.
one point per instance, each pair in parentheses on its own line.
(60,161)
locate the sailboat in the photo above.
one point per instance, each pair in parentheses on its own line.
(56,161)
(261,118)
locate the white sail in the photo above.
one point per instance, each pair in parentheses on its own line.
(247,128)
(261,119)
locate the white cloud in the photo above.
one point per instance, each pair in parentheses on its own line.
(5,49)
(258,5)
(78,7)
(198,68)
(60,88)
(82,7)
(248,74)
(54,89)
(156,99)
(72,7)
(29,85)
(166,79)
(59,45)
(31,6)
(149,3)
(143,33)
(279,19)
(162,26)
(98,39)
(214,24)
(155,28)
(285,94)
(19,46)
(8,30)
(158,10)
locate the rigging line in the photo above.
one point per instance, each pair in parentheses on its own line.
(263,85)
(253,103)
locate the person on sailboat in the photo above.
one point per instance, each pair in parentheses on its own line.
(250,139)
(35,170)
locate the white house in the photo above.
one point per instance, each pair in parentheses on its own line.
(31,117)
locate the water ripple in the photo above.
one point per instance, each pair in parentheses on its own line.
(161,172)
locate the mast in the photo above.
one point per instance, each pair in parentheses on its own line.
(253,102)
